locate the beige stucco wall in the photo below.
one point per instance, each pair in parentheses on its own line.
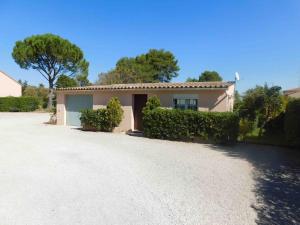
(101,99)
(217,100)
(295,95)
(61,108)
(9,87)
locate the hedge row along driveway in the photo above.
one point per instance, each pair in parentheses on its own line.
(18,104)
(188,125)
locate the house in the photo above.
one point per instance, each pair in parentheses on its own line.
(294,93)
(202,96)
(9,86)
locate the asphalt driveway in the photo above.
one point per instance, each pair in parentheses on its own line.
(57,175)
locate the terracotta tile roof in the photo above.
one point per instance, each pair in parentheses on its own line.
(141,86)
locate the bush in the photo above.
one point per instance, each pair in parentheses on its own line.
(292,122)
(115,112)
(188,125)
(40,92)
(102,119)
(95,120)
(246,127)
(275,126)
(18,104)
(152,103)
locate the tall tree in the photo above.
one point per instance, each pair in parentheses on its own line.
(206,76)
(210,76)
(190,79)
(162,64)
(262,104)
(51,56)
(64,81)
(154,66)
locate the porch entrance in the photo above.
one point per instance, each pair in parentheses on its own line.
(139,102)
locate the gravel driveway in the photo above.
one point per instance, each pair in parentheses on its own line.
(57,175)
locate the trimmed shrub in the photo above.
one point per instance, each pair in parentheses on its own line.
(152,103)
(18,104)
(102,119)
(115,112)
(292,122)
(95,120)
(189,125)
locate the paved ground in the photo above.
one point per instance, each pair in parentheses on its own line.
(54,175)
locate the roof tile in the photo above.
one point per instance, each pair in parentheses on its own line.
(141,86)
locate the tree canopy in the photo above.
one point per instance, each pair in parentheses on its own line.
(210,76)
(51,56)
(206,76)
(154,66)
(64,81)
(261,104)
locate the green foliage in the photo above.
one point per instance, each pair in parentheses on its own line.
(189,79)
(18,104)
(173,124)
(102,119)
(115,112)
(24,85)
(95,120)
(261,103)
(82,80)
(154,66)
(292,122)
(64,81)
(152,103)
(210,76)
(246,127)
(237,101)
(40,92)
(206,76)
(162,64)
(51,56)
(275,126)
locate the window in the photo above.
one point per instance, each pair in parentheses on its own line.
(185,102)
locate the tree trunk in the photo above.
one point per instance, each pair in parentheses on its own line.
(50,96)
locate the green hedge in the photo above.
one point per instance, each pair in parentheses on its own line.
(102,119)
(95,120)
(18,104)
(188,125)
(292,122)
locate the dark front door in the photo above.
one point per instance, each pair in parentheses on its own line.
(139,104)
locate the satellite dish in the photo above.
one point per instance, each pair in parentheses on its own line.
(237,76)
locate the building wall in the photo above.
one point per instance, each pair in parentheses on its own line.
(295,95)
(208,100)
(9,87)
(61,108)
(101,99)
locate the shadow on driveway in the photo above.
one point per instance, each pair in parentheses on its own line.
(277,177)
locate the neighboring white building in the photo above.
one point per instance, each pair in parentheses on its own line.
(9,86)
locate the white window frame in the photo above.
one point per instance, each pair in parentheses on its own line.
(186,97)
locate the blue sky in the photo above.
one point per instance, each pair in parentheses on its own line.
(259,39)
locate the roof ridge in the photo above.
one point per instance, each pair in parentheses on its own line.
(210,84)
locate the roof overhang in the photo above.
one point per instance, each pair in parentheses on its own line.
(152,87)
